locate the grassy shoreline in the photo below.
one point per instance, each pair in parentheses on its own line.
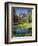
(23,25)
(23,34)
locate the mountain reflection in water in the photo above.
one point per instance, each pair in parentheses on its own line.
(22,30)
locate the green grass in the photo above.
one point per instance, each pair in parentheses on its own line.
(24,25)
(29,34)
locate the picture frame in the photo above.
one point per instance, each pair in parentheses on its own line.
(20,22)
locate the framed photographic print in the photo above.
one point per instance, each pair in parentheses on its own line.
(20,22)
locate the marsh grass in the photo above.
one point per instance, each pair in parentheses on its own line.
(29,34)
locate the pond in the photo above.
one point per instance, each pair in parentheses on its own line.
(22,32)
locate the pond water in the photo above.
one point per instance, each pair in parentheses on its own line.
(22,30)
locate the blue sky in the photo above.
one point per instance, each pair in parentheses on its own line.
(22,10)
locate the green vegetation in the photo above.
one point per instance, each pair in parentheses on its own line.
(25,25)
(29,34)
